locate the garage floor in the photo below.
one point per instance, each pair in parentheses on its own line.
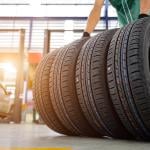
(29,135)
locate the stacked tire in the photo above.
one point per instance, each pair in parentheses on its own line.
(98,86)
(128,75)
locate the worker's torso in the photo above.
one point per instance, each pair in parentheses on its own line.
(127,10)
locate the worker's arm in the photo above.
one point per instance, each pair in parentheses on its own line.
(145,6)
(93,17)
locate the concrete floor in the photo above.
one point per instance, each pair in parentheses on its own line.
(29,135)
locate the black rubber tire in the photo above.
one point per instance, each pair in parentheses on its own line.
(92,89)
(129,77)
(42,96)
(63,90)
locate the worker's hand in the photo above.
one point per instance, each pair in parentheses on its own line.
(86,34)
(143,15)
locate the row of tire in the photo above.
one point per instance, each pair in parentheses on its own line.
(98,86)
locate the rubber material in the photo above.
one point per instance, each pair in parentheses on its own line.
(63,90)
(42,96)
(128,67)
(91,83)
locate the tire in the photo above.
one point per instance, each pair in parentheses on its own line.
(63,90)
(129,78)
(92,89)
(42,96)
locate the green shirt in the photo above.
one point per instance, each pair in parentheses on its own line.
(127,10)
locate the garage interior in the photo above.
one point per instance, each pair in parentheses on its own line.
(29,30)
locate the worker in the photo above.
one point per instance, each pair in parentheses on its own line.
(127,11)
